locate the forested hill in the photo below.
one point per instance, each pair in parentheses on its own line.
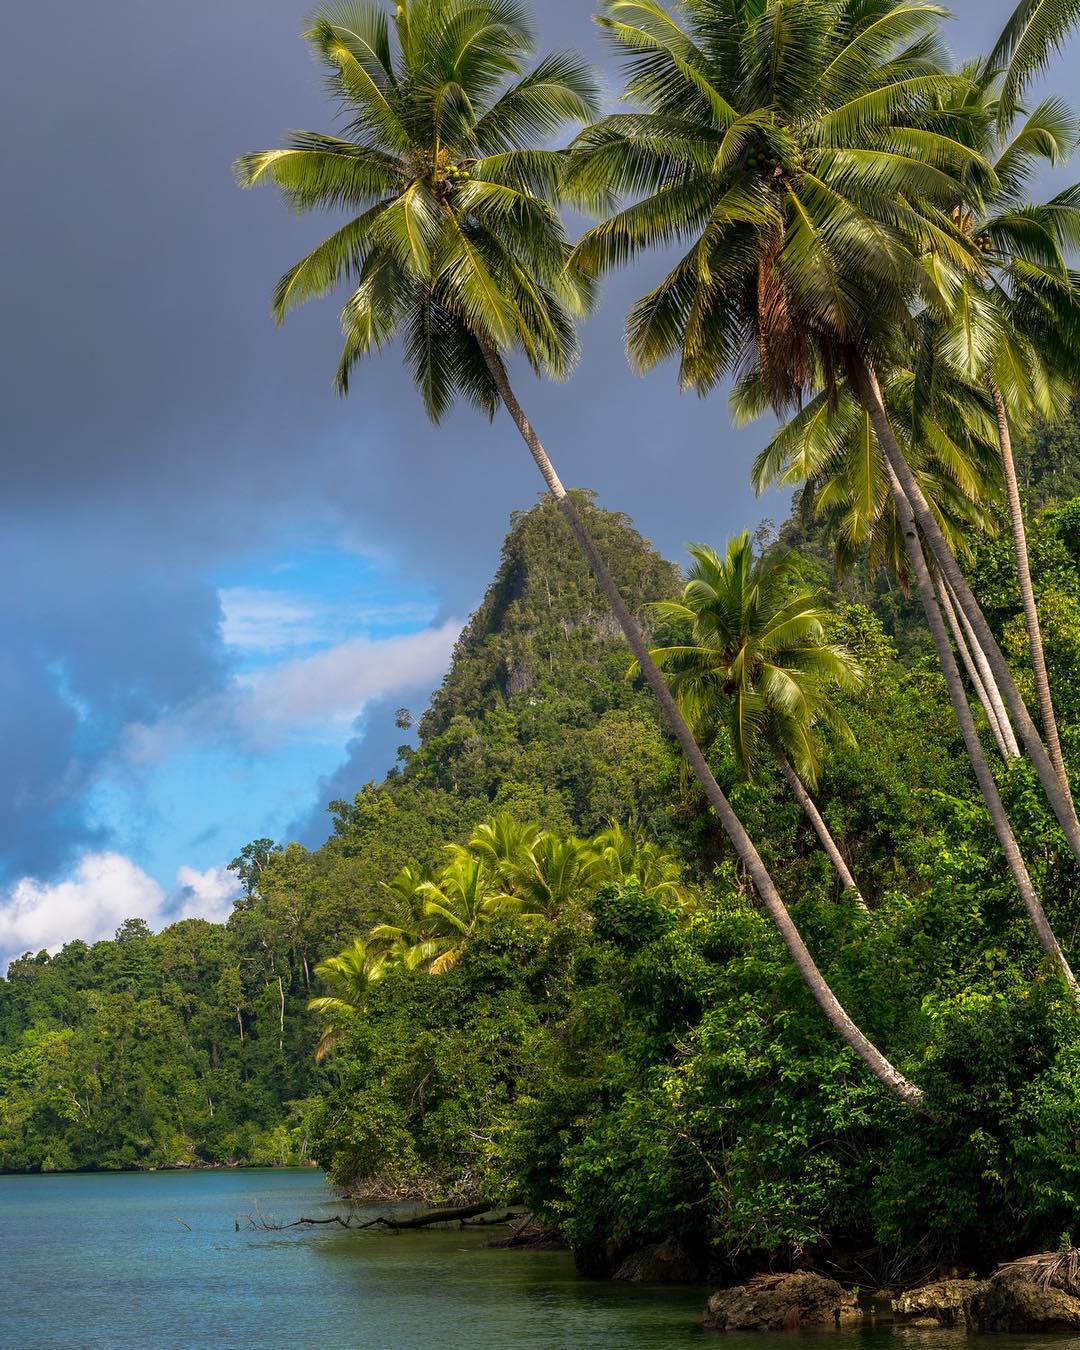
(543,621)
(195,1044)
(524,1002)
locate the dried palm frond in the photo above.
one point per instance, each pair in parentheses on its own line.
(1058,1270)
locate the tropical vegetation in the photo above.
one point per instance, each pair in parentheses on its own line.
(527,965)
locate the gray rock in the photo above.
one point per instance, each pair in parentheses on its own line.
(782,1303)
(666,1262)
(941,1304)
(1010,1302)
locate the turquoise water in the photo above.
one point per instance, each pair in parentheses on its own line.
(152,1260)
(106,1261)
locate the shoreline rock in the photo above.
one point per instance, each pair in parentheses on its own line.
(1010,1301)
(667,1262)
(782,1303)
(942,1303)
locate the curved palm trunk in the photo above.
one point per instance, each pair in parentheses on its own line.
(1061,801)
(994,805)
(838,1018)
(828,843)
(990,685)
(1007,749)
(1027,592)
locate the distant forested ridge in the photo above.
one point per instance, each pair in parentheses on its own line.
(632,1056)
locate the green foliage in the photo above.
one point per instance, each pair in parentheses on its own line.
(195,1045)
(648,1077)
(628,1065)
(454,241)
(792,147)
(757,661)
(146,1052)
(648,1073)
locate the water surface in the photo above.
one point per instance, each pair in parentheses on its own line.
(152,1260)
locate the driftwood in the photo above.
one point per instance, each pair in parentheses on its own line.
(494,1221)
(454,1214)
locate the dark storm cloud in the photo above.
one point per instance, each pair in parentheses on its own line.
(155,422)
(149,385)
(95,637)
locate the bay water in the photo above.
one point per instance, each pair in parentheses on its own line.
(153,1260)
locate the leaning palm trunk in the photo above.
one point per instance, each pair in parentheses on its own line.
(763,883)
(1060,800)
(1027,592)
(828,843)
(990,685)
(994,805)
(977,672)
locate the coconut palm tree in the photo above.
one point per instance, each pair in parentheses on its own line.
(455,244)
(502,840)
(799,146)
(1035,30)
(554,875)
(830,451)
(817,446)
(627,857)
(759,666)
(1015,332)
(458,903)
(510,868)
(351,975)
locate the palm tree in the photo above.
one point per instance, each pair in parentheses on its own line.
(503,840)
(759,666)
(460,901)
(799,145)
(454,243)
(830,451)
(627,857)
(980,676)
(1034,31)
(509,868)
(1014,332)
(554,875)
(545,874)
(350,974)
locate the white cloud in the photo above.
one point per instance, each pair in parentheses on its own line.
(324,690)
(205,895)
(333,685)
(269,621)
(106,889)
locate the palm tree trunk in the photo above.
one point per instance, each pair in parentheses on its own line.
(994,805)
(838,1018)
(869,393)
(974,672)
(1027,591)
(990,685)
(828,843)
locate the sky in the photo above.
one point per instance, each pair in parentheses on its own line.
(222,579)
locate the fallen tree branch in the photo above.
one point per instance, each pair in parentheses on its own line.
(455,1214)
(481,1222)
